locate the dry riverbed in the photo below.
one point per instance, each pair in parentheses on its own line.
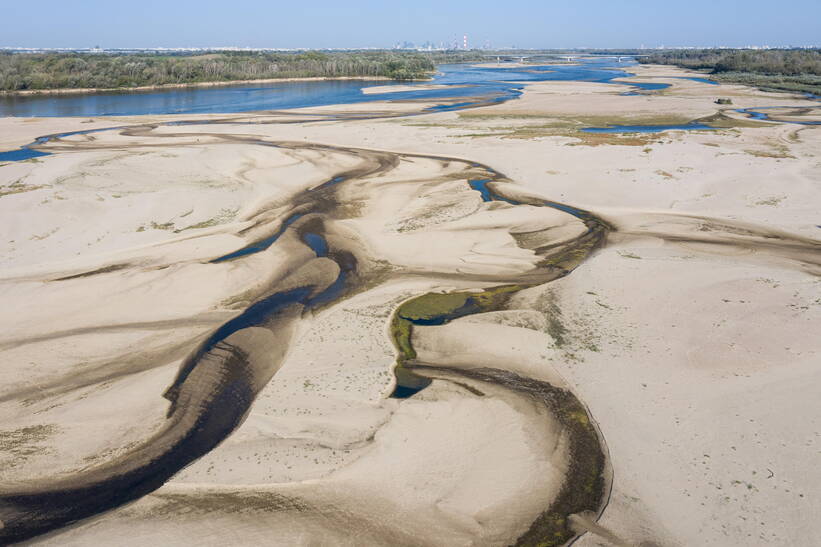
(671,312)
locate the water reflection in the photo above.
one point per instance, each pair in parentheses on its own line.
(489,83)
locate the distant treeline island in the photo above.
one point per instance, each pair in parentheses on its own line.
(783,70)
(24,71)
(776,69)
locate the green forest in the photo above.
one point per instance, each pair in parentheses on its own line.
(776,69)
(26,71)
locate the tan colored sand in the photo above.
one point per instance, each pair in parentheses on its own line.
(698,361)
(511,64)
(401,88)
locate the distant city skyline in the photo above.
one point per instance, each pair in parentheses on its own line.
(423,23)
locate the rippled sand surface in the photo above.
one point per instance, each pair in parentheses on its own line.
(355,326)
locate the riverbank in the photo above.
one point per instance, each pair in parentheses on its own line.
(767,83)
(402,88)
(83,91)
(797,71)
(52,70)
(687,335)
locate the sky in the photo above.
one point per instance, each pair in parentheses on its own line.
(372,23)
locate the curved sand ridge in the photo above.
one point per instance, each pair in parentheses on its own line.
(401,222)
(227,370)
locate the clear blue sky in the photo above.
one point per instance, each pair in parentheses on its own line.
(372,23)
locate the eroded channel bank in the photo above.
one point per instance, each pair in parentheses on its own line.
(217,383)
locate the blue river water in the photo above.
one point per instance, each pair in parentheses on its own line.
(460,86)
(697,79)
(756,114)
(648,128)
(461,81)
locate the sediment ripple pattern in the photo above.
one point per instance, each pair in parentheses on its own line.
(219,380)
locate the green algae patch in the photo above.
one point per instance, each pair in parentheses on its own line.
(532,125)
(585,488)
(566,121)
(437,309)
(586,483)
(431,306)
(776,153)
(225,215)
(722,121)
(401,330)
(568,258)
(441,308)
(18,187)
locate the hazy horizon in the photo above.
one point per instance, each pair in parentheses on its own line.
(372,24)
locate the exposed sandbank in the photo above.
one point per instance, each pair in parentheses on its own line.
(689,335)
(401,88)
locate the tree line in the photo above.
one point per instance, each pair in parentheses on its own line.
(27,71)
(778,69)
(790,62)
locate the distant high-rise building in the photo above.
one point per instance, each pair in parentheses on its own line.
(465,41)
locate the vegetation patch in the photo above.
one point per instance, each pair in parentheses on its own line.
(18,187)
(722,121)
(225,215)
(536,125)
(584,488)
(566,121)
(793,136)
(21,72)
(776,151)
(567,258)
(21,444)
(437,309)
(772,202)
(572,336)
(771,69)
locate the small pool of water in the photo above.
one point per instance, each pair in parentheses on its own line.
(317,243)
(644,86)
(24,153)
(649,128)
(755,114)
(697,79)
(260,245)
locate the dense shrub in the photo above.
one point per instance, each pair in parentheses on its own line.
(22,71)
(780,69)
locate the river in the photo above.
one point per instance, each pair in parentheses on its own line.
(460,81)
